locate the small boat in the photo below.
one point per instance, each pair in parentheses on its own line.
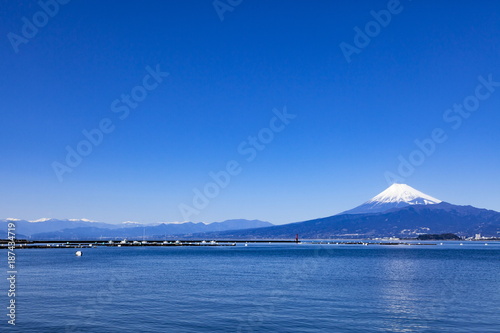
(78,253)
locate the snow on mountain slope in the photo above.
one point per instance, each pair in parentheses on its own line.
(395,196)
(404,193)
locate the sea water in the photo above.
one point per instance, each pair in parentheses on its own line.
(258,288)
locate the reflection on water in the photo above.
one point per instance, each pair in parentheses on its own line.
(402,294)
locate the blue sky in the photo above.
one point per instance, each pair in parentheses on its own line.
(351,120)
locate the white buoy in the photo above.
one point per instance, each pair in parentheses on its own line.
(78,253)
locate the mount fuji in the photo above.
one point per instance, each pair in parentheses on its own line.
(395,196)
(399,211)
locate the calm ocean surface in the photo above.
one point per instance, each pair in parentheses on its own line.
(259,288)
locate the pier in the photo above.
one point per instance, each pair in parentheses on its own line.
(61,244)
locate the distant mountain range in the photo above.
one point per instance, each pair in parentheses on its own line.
(399,211)
(53,229)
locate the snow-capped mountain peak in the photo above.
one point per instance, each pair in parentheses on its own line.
(395,196)
(404,193)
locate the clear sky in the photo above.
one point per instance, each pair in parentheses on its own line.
(356,103)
